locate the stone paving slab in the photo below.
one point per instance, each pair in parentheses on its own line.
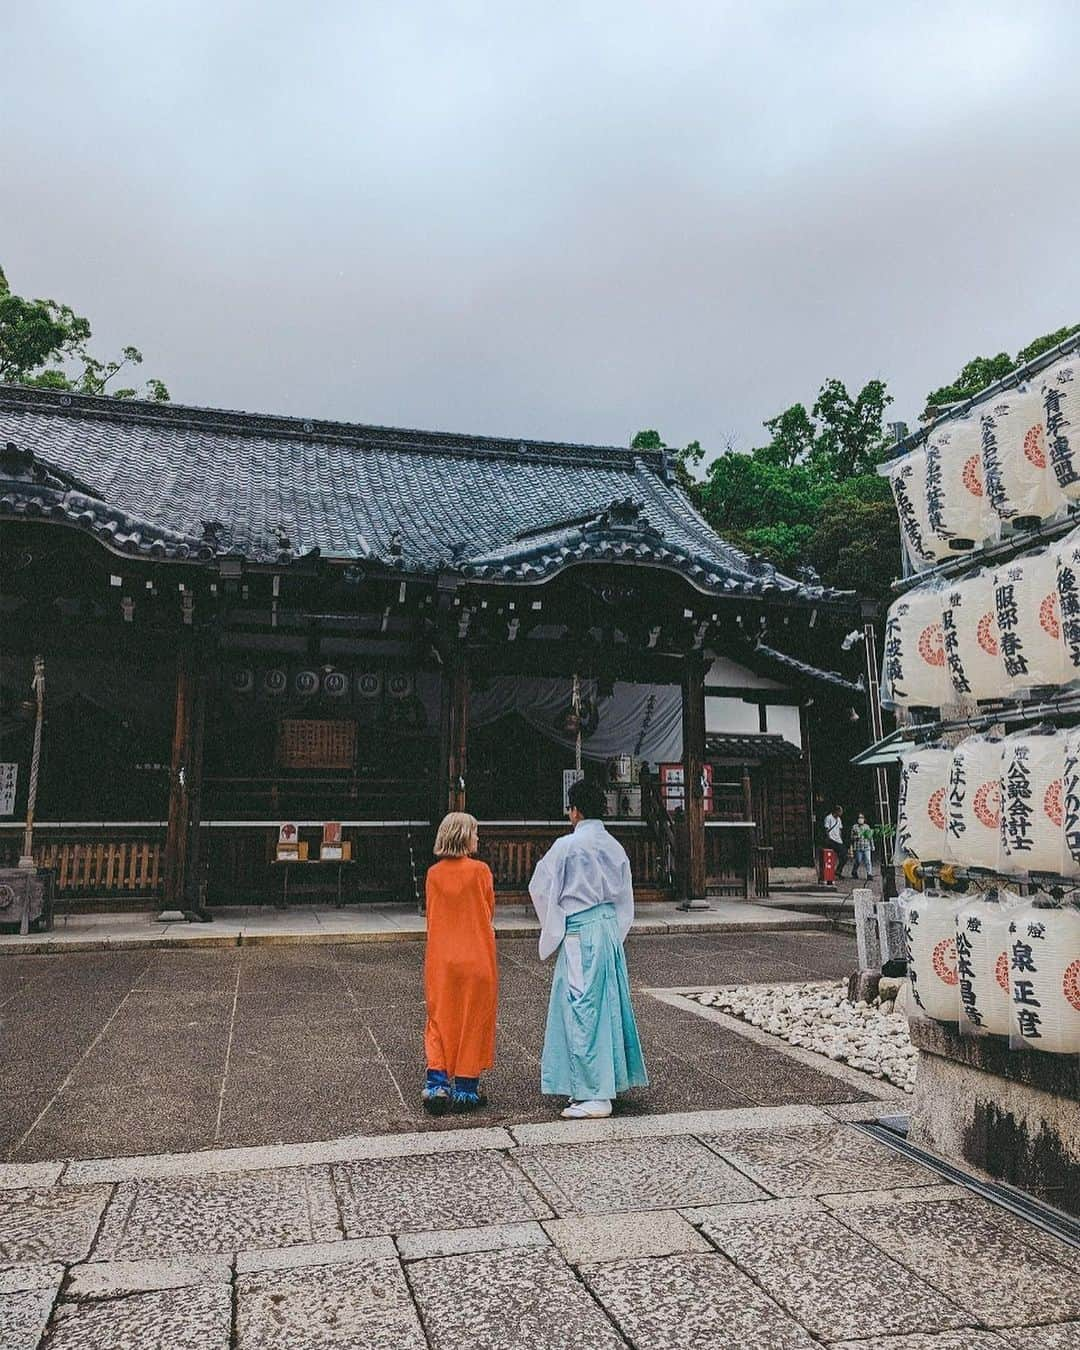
(316,1254)
(981,1257)
(506,1300)
(904,1195)
(189,1216)
(23,1318)
(666,1124)
(632,1174)
(1061,1336)
(192,1318)
(113,1279)
(205,1162)
(50,1224)
(967,1338)
(818,1160)
(592,1238)
(457,1241)
(835,1284)
(315,926)
(30,1275)
(408,1195)
(24,1176)
(357,1305)
(692,1302)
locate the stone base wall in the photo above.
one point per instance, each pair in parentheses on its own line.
(1014,1114)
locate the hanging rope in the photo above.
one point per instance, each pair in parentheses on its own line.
(575,701)
(27,859)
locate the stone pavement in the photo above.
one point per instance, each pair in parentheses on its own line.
(783,1228)
(149,1051)
(251,926)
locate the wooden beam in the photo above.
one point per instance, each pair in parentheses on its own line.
(185,781)
(454,732)
(693,729)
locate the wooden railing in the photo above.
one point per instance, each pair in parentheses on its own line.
(98,867)
(512,852)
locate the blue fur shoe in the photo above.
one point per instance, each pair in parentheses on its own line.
(467,1095)
(436,1096)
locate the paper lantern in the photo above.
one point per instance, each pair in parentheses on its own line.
(1059,387)
(1070,803)
(907,478)
(1067,561)
(970,637)
(1032,803)
(973,804)
(913,671)
(930,933)
(1016,474)
(920,821)
(957,509)
(1044,976)
(982,963)
(1029,622)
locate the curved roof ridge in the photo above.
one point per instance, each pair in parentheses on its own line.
(240,422)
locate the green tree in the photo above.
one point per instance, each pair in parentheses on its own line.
(983,370)
(46,344)
(686,460)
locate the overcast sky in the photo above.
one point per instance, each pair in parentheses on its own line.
(546,219)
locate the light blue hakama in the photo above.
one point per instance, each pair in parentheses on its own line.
(591,1045)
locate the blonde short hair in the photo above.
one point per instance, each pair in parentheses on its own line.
(456,835)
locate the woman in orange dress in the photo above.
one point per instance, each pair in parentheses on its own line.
(460,978)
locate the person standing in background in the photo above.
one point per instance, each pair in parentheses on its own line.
(862,847)
(834,833)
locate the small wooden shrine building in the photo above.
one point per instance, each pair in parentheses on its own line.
(254,620)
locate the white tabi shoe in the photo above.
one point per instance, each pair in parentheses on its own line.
(587,1111)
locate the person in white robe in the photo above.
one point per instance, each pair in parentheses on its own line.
(583,895)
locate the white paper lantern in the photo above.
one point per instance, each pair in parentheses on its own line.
(973,804)
(1016,474)
(1070,803)
(1067,561)
(1044,974)
(982,964)
(956,505)
(907,479)
(1029,622)
(970,637)
(1032,803)
(913,672)
(920,818)
(1059,387)
(930,931)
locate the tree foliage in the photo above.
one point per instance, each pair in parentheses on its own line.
(810,495)
(45,343)
(983,370)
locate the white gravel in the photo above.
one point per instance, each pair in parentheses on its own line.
(872,1037)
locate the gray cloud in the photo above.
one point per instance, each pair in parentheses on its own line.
(561,220)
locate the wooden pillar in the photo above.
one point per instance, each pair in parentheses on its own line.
(454,739)
(185,782)
(693,729)
(751,835)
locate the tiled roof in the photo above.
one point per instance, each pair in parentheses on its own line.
(790,666)
(731,745)
(181,482)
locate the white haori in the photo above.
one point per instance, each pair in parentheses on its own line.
(586,868)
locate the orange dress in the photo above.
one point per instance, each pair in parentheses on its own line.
(460,978)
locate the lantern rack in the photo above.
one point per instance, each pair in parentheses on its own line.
(1011,381)
(1013,714)
(1058,888)
(1002,551)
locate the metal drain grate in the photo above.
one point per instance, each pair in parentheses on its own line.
(892,1131)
